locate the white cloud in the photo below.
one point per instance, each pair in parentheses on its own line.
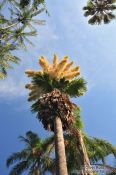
(14,85)
(67,32)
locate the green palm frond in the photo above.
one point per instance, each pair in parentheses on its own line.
(31,139)
(17,157)
(6,58)
(48,164)
(100,11)
(17,27)
(78,121)
(99,149)
(30,158)
(76,87)
(19,168)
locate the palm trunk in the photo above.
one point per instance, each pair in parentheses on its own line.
(38,170)
(84,157)
(61,166)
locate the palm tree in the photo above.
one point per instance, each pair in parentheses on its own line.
(17,29)
(76,132)
(34,158)
(37,154)
(50,89)
(97,150)
(6,58)
(100,11)
(80,147)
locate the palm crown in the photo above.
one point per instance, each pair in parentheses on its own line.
(35,157)
(100,11)
(56,82)
(59,75)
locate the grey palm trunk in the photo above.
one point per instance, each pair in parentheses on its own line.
(61,165)
(86,169)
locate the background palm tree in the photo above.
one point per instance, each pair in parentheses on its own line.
(81,148)
(100,11)
(39,153)
(50,89)
(34,158)
(16,30)
(97,149)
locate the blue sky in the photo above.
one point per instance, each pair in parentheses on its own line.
(92,47)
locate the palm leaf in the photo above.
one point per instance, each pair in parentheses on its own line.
(17,157)
(19,168)
(76,87)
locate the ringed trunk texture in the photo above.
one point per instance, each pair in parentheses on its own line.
(61,166)
(84,159)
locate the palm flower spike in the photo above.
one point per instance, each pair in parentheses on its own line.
(60,75)
(57,70)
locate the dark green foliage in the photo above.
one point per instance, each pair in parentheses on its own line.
(74,88)
(37,150)
(100,11)
(78,121)
(6,58)
(16,28)
(99,149)
(35,153)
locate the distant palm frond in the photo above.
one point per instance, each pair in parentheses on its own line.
(100,11)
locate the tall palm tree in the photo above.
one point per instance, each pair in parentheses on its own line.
(100,11)
(34,158)
(50,89)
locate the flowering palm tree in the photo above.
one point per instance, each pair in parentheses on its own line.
(51,88)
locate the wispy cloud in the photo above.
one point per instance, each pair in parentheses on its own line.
(14,85)
(67,33)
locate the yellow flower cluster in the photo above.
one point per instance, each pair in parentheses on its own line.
(57,70)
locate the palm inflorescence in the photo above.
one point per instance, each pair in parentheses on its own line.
(60,76)
(100,11)
(51,88)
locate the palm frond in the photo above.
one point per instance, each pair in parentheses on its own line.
(78,121)
(99,11)
(76,87)
(99,149)
(18,156)
(19,168)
